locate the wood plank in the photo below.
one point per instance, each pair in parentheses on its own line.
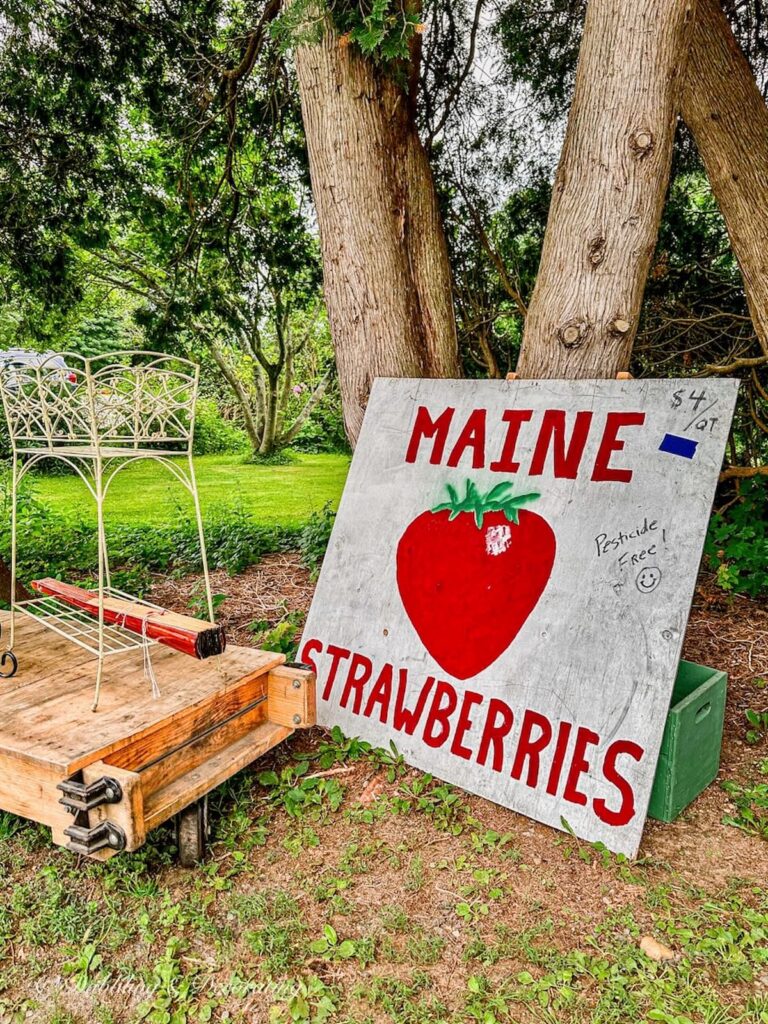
(188,724)
(30,791)
(48,719)
(38,658)
(291,695)
(166,770)
(166,802)
(128,813)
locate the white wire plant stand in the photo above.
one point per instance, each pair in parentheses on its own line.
(99,416)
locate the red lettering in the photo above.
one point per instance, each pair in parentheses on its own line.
(611,443)
(314,646)
(425,426)
(563,735)
(440,714)
(337,654)
(552,435)
(530,749)
(405,720)
(626,810)
(472,436)
(360,671)
(381,694)
(494,732)
(464,723)
(579,765)
(515,418)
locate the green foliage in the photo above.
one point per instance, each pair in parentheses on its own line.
(198,601)
(54,544)
(279,928)
(152,212)
(324,431)
(737,542)
(381,29)
(751,805)
(280,457)
(146,493)
(213,434)
(330,947)
(758,726)
(85,965)
(301,797)
(314,537)
(283,638)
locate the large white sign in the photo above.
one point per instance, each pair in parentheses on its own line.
(508,583)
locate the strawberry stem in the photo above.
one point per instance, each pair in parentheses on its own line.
(498,499)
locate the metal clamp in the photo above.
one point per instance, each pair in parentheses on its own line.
(88,840)
(84,796)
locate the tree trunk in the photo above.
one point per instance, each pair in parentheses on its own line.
(252,428)
(722,105)
(609,190)
(269,432)
(385,262)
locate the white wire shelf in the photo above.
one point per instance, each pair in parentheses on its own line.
(83,629)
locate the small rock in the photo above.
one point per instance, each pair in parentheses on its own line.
(656,950)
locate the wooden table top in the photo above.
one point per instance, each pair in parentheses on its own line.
(45,709)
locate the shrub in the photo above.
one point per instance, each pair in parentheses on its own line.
(737,542)
(314,537)
(277,457)
(324,430)
(213,434)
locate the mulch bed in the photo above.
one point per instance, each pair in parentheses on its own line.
(267,592)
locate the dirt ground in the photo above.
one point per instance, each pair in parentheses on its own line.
(388,898)
(728,632)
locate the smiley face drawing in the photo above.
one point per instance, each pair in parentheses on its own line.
(648,579)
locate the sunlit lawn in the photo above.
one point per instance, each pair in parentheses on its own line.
(147,493)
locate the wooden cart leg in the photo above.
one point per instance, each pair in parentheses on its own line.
(192,833)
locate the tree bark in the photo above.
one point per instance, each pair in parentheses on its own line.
(722,105)
(609,190)
(385,262)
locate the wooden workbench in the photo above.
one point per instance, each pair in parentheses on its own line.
(212,718)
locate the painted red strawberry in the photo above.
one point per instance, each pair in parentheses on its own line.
(470,572)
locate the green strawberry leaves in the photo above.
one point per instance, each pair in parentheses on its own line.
(498,499)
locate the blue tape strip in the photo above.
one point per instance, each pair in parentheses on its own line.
(675,445)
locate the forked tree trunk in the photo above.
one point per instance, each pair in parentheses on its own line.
(722,105)
(385,263)
(609,190)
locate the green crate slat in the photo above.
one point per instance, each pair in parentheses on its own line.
(690,750)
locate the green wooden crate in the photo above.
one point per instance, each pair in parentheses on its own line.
(690,750)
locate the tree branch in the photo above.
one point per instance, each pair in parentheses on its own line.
(308,409)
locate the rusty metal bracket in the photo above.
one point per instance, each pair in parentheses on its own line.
(84,796)
(88,840)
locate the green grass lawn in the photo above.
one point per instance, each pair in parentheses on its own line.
(147,493)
